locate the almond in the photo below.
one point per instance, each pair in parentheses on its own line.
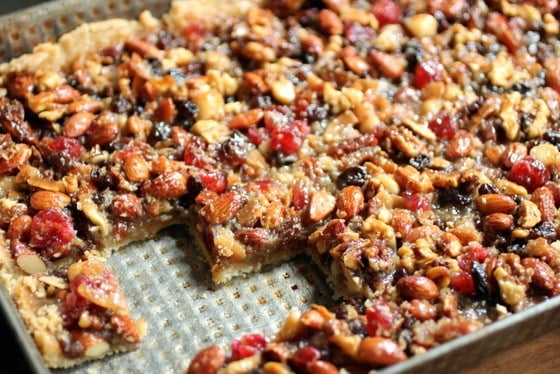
(222,209)
(136,168)
(321,205)
(77,124)
(48,199)
(494,203)
(498,221)
(417,287)
(209,360)
(166,186)
(350,202)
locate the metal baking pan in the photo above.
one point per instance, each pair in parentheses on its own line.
(168,283)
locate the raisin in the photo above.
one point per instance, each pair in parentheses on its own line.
(63,153)
(186,113)
(120,104)
(162,131)
(478,273)
(12,121)
(155,65)
(101,179)
(235,149)
(413,53)
(487,188)
(552,136)
(194,186)
(420,162)
(353,176)
(453,196)
(178,76)
(545,230)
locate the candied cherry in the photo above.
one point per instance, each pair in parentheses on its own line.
(256,135)
(68,146)
(247,346)
(473,254)
(415,201)
(305,355)
(530,173)
(51,228)
(300,196)
(356,33)
(463,282)
(194,153)
(214,181)
(194,33)
(443,125)
(386,12)
(381,319)
(426,72)
(289,139)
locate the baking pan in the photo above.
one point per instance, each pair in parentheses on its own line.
(168,283)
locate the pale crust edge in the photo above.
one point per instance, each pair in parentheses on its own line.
(95,36)
(41,315)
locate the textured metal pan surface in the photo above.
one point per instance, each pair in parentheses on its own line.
(167,282)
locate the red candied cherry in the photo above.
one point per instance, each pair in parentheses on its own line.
(51,228)
(381,319)
(305,356)
(443,125)
(68,146)
(427,71)
(386,12)
(415,201)
(289,139)
(213,181)
(194,33)
(530,173)
(463,282)
(300,196)
(277,116)
(256,135)
(194,153)
(247,346)
(355,32)
(472,254)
